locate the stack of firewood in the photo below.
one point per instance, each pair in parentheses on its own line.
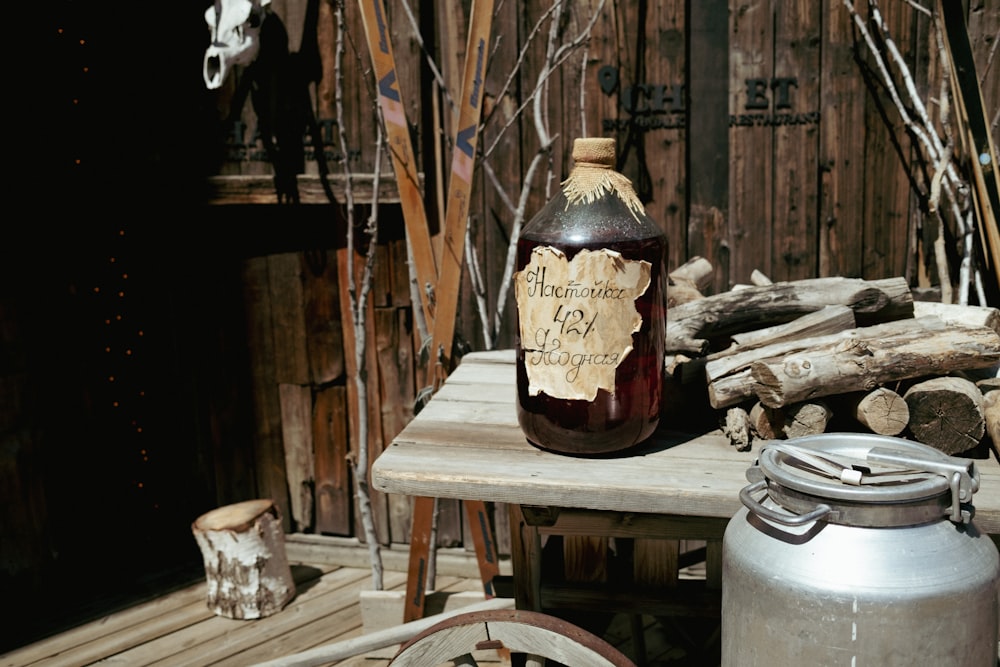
(788,359)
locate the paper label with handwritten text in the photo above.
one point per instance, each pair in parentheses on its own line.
(577,318)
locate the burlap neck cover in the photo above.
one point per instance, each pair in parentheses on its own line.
(594,176)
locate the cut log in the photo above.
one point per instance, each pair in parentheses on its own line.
(737,428)
(991,413)
(867,357)
(757,277)
(731,389)
(780,339)
(827,320)
(807,418)
(689,281)
(881,410)
(690,325)
(946,413)
(767,423)
(953,313)
(698,271)
(793,421)
(243,546)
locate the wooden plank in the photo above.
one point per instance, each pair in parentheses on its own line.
(417,581)
(399,277)
(297,437)
(572,521)
(708,122)
(654,562)
(334,495)
(797,40)
(886,188)
(697,476)
(328,619)
(321,311)
(751,142)
(110,645)
(248,189)
(349,552)
(105,629)
(983,25)
(270,468)
(585,558)
(667,144)
(526,557)
(396,396)
(841,209)
(291,358)
(324,607)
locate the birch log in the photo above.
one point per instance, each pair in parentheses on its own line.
(946,413)
(867,357)
(243,546)
(690,325)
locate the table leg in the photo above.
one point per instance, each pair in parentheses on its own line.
(526,561)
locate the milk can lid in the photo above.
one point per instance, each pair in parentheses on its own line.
(861,469)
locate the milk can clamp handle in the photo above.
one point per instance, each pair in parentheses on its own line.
(962,475)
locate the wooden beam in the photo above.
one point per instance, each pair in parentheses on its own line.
(240,189)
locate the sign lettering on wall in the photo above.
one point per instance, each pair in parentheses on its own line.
(767,102)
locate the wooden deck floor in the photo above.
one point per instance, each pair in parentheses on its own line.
(178,629)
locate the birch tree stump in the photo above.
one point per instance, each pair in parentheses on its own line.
(946,413)
(243,546)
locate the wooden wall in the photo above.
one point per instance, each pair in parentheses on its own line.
(753,131)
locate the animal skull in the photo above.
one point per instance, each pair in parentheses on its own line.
(235,28)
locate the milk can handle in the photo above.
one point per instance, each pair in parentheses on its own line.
(751,504)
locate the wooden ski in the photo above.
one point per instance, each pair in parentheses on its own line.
(403,162)
(432,287)
(459,190)
(446,309)
(976,138)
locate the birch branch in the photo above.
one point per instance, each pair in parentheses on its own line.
(359,301)
(937,154)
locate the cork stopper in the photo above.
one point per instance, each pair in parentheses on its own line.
(594,176)
(595,151)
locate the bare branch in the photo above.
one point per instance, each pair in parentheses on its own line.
(359,459)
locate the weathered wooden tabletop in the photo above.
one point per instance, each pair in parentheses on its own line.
(466,444)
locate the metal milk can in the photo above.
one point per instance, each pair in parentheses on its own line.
(858,550)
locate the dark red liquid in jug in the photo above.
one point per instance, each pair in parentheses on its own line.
(613,420)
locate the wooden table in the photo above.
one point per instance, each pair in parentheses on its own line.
(466,444)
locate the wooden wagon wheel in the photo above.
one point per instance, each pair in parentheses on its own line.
(537,635)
